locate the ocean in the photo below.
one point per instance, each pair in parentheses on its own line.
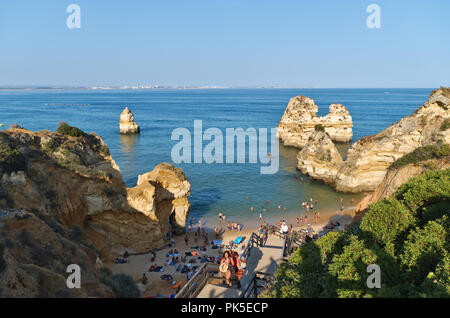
(215,187)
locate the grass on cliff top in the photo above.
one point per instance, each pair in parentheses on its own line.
(178,172)
(445,125)
(445,91)
(406,235)
(422,154)
(65,129)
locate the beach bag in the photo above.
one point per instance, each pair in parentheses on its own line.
(223,268)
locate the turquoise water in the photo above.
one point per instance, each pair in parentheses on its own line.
(215,187)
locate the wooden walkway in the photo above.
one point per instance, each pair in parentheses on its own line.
(262,259)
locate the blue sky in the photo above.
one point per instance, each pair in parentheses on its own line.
(226,42)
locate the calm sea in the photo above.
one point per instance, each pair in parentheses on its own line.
(215,187)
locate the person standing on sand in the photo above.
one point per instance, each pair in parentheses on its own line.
(260,217)
(226,264)
(186,239)
(199,223)
(353,201)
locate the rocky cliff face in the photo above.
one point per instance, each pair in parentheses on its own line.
(300,119)
(395,177)
(319,158)
(369,158)
(127,123)
(75,182)
(36,253)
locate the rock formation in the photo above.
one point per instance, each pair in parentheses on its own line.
(395,177)
(319,158)
(300,119)
(369,158)
(127,123)
(75,182)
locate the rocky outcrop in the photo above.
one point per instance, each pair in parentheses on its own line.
(395,177)
(127,123)
(300,119)
(369,158)
(36,252)
(74,181)
(319,158)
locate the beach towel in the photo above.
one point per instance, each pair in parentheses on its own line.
(195,253)
(238,240)
(177,284)
(166,277)
(188,253)
(159,269)
(217,242)
(172,295)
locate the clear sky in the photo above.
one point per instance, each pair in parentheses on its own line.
(315,43)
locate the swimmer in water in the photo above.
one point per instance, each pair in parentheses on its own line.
(252,209)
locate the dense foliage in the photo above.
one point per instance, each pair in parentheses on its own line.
(65,129)
(11,159)
(122,285)
(407,235)
(423,153)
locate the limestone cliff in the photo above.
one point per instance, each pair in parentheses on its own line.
(319,158)
(75,182)
(369,158)
(300,119)
(127,124)
(397,176)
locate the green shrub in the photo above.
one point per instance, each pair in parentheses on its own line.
(387,219)
(424,249)
(445,125)
(319,128)
(423,153)
(65,129)
(429,188)
(104,150)
(122,285)
(11,159)
(407,235)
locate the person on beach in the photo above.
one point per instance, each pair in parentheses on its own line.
(239,265)
(199,223)
(352,201)
(267,201)
(252,209)
(217,231)
(239,227)
(144,279)
(298,220)
(229,226)
(186,239)
(284,228)
(226,265)
(260,217)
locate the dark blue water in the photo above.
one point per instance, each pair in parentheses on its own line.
(215,187)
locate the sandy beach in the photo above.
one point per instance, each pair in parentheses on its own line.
(137,265)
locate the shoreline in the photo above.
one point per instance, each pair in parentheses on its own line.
(138,264)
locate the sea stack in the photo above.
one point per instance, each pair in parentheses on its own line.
(369,158)
(300,120)
(127,124)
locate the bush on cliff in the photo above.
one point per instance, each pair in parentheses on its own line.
(11,159)
(65,129)
(423,153)
(407,235)
(122,285)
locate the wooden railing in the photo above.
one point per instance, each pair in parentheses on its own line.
(258,282)
(193,287)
